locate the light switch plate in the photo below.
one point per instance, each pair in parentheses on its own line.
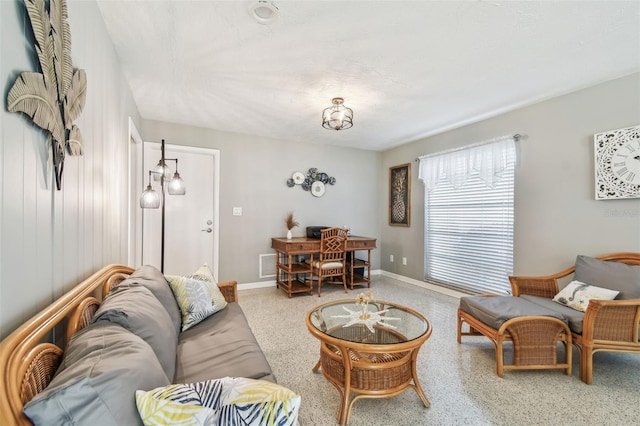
(237,211)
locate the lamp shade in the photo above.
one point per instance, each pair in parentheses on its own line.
(162,169)
(176,185)
(337,116)
(150,199)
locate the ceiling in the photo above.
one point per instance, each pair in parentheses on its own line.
(408,69)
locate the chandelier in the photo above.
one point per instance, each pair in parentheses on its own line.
(337,116)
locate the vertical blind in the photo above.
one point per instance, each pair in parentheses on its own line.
(469,213)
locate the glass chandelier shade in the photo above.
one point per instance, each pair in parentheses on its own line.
(150,199)
(176,185)
(162,169)
(337,116)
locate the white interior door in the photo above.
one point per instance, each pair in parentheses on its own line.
(191,220)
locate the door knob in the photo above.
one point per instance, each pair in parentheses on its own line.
(209,230)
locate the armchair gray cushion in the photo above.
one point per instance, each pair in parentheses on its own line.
(612,275)
(494,311)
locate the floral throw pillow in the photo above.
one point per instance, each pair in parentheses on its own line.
(577,295)
(227,401)
(197,295)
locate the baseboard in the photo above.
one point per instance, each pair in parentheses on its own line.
(424,284)
(418,283)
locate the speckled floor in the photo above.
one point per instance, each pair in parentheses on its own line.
(459,380)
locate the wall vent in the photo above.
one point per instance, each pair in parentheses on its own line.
(267,266)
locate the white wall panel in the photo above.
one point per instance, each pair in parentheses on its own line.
(53,239)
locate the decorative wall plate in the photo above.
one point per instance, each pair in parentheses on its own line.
(298,177)
(317,188)
(313,181)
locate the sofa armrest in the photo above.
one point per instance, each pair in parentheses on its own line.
(229,290)
(612,320)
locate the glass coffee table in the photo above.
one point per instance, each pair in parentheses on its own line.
(369,350)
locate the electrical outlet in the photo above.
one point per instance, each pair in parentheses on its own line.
(391,258)
(237,211)
(404,261)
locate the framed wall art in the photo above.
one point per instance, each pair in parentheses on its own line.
(400,195)
(617,163)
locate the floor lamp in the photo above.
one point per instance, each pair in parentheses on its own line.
(150,199)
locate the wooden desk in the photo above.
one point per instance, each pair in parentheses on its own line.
(291,273)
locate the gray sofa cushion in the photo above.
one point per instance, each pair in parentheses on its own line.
(135,308)
(221,345)
(609,274)
(151,278)
(103,366)
(494,311)
(573,316)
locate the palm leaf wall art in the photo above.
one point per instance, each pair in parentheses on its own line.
(54,98)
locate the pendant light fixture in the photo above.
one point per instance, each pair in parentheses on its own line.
(337,116)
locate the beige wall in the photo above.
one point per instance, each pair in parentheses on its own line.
(556,216)
(253,174)
(52,239)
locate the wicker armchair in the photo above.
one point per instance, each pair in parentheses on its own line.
(608,325)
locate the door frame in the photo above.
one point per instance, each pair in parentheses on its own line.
(134,226)
(215,153)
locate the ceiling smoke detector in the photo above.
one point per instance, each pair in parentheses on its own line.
(264,12)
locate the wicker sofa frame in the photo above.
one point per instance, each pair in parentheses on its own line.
(608,325)
(29,357)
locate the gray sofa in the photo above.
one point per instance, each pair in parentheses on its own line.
(134,343)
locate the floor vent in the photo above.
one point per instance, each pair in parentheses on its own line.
(267,265)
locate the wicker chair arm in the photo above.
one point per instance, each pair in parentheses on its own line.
(612,320)
(534,286)
(543,285)
(229,290)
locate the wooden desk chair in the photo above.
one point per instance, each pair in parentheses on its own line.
(331,262)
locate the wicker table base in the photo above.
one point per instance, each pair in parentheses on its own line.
(383,367)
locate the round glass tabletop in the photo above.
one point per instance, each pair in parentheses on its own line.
(378,322)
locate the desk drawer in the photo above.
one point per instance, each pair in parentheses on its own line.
(306,247)
(297,246)
(361,244)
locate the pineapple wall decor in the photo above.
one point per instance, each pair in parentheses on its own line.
(55,97)
(400,195)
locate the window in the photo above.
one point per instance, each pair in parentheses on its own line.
(469,216)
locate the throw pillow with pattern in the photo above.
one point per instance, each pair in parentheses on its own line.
(197,295)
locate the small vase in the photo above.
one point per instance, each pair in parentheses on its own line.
(289,236)
(364,313)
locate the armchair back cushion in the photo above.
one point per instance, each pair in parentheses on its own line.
(612,275)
